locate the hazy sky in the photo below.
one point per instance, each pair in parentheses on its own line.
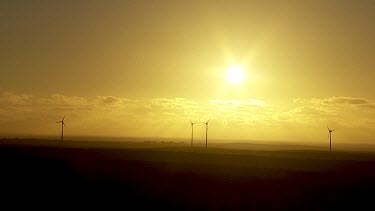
(145,68)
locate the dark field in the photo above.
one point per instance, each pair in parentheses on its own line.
(173,176)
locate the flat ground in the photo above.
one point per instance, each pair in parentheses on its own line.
(173,176)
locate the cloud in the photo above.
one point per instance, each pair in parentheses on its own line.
(159,116)
(344,112)
(169,109)
(370,106)
(11,99)
(111,100)
(108,99)
(346,100)
(251,103)
(359,103)
(306,110)
(174,103)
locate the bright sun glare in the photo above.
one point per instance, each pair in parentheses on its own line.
(235,75)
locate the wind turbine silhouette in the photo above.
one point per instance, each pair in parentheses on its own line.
(192,132)
(62,128)
(330,138)
(206,123)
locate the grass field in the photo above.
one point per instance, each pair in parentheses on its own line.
(150,175)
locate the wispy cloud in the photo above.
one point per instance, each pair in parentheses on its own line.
(236,104)
(174,103)
(170,116)
(347,112)
(339,102)
(11,99)
(346,100)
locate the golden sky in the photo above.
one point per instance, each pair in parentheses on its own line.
(146,68)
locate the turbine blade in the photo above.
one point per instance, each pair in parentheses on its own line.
(59,122)
(64,124)
(63,118)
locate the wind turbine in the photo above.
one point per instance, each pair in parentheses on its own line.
(62,128)
(192,132)
(206,123)
(330,137)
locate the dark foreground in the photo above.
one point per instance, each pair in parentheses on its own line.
(184,178)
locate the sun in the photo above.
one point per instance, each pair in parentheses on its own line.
(235,74)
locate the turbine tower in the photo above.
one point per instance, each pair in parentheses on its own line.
(192,132)
(62,128)
(330,138)
(206,123)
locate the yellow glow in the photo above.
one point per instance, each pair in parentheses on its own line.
(235,75)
